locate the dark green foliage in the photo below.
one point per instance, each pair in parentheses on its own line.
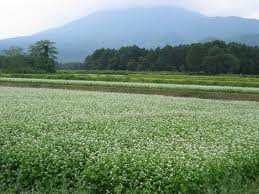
(40,58)
(15,60)
(222,63)
(17,64)
(70,66)
(194,58)
(44,53)
(216,57)
(1,62)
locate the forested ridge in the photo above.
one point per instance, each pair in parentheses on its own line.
(216,57)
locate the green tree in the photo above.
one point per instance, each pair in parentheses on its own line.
(15,60)
(114,62)
(224,63)
(13,51)
(211,57)
(215,50)
(179,54)
(132,65)
(44,53)
(1,62)
(151,58)
(194,58)
(143,64)
(165,59)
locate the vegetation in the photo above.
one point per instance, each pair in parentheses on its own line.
(44,54)
(215,57)
(70,66)
(40,58)
(62,141)
(145,77)
(199,91)
(15,60)
(78,141)
(245,90)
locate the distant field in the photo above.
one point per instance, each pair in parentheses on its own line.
(147,77)
(60,140)
(201,91)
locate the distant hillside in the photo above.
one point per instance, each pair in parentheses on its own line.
(252,39)
(144,27)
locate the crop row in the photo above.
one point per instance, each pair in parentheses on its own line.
(146,77)
(177,87)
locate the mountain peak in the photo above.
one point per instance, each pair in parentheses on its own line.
(145,27)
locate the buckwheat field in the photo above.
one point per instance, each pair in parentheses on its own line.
(59,140)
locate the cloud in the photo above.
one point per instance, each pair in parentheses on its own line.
(24,17)
(242,8)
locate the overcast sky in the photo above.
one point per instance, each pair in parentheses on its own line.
(25,17)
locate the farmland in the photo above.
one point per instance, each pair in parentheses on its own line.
(62,140)
(199,91)
(145,77)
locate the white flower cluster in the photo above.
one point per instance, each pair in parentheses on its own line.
(228,89)
(107,142)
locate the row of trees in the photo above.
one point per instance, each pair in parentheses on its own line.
(214,57)
(41,57)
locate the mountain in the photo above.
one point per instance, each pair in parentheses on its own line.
(145,27)
(252,39)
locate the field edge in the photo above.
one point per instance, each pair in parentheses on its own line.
(146,91)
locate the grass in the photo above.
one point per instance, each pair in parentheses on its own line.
(147,77)
(61,140)
(199,91)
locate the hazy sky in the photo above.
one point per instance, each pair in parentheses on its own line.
(25,17)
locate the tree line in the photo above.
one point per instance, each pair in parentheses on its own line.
(216,57)
(40,57)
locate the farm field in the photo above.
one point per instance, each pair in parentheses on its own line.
(200,91)
(147,77)
(62,140)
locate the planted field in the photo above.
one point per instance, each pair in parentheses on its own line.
(226,89)
(60,140)
(200,91)
(147,77)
